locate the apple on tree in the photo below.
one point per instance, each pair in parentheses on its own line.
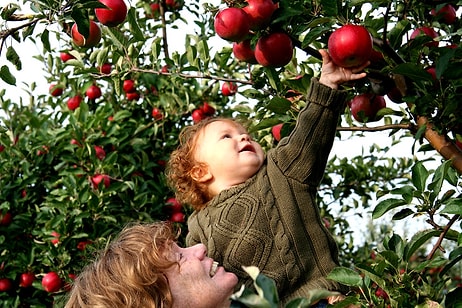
(364,107)
(229,88)
(5,218)
(114,14)
(447,14)
(74,102)
(177,217)
(105,69)
(232,24)
(157,114)
(55,89)
(428,32)
(350,46)
(66,56)
(274,50)
(260,13)
(129,86)
(155,10)
(198,115)
(98,178)
(99,151)
(207,109)
(51,282)
(55,239)
(93,38)
(93,92)
(243,51)
(26,279)
(173,205)
(5,284)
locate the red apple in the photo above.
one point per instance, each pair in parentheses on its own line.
(446,13)
(364,107)
(2,148)
(129,86)
(99,151)
(74,102)
(177,217)
(93,92)
(132,96)
(243,51)
(232,24)
(26,279)
(427,31)
(174,205)
(274,50)
(5,284)
(350,46)
(207,109)
(260,12)
(114,14)
(51,282)
(5,218)
(229,88)
(155,10)
(157,114)
(106,68)
(93,38)
(97,178)
(66,56)
(276,131)
(83,244)
(432,71)
(172,4)
(55,90)
(198,115)
(55,239)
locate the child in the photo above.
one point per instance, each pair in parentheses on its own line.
(252,209)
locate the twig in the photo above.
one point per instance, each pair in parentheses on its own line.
(442,235)
(408,126)
(6,33)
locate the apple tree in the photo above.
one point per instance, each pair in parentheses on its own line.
(85,155)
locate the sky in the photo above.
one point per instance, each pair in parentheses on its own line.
(343,147)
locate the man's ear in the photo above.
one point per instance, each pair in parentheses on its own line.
(200,173)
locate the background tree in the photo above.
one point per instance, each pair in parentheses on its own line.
(79,162)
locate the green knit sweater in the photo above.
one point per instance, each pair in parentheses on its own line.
(272,220)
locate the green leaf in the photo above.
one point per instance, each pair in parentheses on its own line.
(7,76)
(80,16)
(345,276)
(13,57)
(44,37)
(419,176)
(453,206)
(438,179)
(279,105)
(413,71)
(135,30)
(418,240)
(385,206)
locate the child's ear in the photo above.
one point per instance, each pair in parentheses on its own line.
(201,173)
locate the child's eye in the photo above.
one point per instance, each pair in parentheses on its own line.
(226,136)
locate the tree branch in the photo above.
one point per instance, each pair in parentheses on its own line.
(408,126)
(6,33)
(441,237)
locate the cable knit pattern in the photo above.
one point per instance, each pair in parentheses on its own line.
(272,220)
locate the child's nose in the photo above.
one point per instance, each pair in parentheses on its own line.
(245,137)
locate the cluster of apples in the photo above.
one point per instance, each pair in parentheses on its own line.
(112,15)
(240,25)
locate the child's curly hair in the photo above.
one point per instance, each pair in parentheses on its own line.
(181,163)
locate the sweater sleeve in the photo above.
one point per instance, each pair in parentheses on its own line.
(303,155)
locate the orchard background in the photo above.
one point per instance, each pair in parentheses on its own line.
(77,164)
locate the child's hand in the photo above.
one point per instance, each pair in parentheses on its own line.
(333,75)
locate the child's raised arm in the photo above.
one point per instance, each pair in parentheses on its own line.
(333,75)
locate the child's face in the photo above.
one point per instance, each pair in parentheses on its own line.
(231,155)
